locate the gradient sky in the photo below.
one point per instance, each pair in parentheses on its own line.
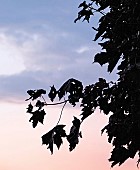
(40,46)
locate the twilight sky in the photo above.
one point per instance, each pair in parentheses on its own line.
(40,46)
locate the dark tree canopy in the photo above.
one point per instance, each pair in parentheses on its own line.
(119,35)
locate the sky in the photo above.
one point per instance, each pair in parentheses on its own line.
(40,45)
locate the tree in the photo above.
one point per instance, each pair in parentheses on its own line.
(119,35)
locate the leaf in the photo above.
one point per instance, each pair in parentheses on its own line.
(101,58)
(60,131)
(31,93)
(106,57)
(38,116)
(38,93)
(29,108)
(103,26)
(52,94)
(58,140)
(88,14)
(73,137)
(89,100)
(105,128)
(103,104)
(85,13)
(39,104)
(34,94)
(86,111)
(80,134)
(113,62)
(47,139)
(99,33)
(132,149)
(64,89)
(101,84)
(138,160)
(119,155)
(41,91)
(54,136)
(76,122)
(73,87)
(83,4)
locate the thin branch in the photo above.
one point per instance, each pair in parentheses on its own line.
(52,104)
(62,112)
(44,100)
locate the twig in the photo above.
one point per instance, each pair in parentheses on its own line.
(44,100)
(65,102)
(52,104)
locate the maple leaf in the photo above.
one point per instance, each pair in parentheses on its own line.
(39,104)
(30,108)
(54,136)
(58,140)
(73,137)
(31,93)
(119,155)
(34,94)
(74,88)
(83,4)
(38,116)
(60,131)
(47,139)
(53,92)
(85,13)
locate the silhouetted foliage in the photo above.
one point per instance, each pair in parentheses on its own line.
(119,28)
(73,137)
(54,136)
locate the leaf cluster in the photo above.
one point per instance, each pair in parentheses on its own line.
(120,99)
(72,87)
(54,136)
(38,114)
(120,31)
(119,28)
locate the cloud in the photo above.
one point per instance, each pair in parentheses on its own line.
(21,50)
(40,59)
(82,49)
(11,60)
(48,50)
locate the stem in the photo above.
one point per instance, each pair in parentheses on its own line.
(44,100)
(52,104)
(65,102)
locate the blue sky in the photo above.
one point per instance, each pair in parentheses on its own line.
(40,45)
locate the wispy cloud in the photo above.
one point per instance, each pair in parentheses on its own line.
(11,57)
(40,59)
(83,49)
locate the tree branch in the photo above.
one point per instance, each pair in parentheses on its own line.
(52,104)
(62,112)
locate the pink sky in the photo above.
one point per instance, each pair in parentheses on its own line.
(21,148)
